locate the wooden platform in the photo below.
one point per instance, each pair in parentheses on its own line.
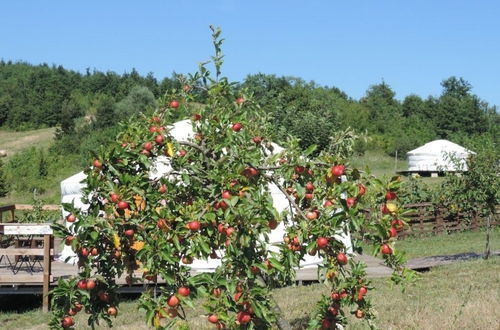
(25,283)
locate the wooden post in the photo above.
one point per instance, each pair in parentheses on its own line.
(46,271)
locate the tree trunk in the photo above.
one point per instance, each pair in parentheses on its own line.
(282,322)
(487,250)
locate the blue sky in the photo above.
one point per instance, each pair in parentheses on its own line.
(411,45)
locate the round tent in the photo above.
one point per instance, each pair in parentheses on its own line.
(438,156)
(183,131)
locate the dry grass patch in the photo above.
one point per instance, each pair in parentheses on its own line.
(13,142)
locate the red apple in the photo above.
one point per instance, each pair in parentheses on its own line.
(159,139)
(326,324)
(361,189)
(226,194)
(398,224)
(173,301)
(129,232)
(71,218)
(236,127)
(312,215)
(385,249)
(338,170)
(90,284)
(240,100)
(97,163)
(272,224)
(212,318)
(333,310)
(194,225)
(103,296)
(82,285)
(94,252)
(182,153)
(122,205)
(84,252)
(257,139)
(299,169)
(112,311)
(350,201)
(322,242)
(69,239)
(216,292)
(67,322)
(114,197)
(341,258)
(309,186)
(174,104)
(148,146)
(327,203)
(229,231)
(335,296)
(184,291)
(196,117)
(390,195)
(393,232)
(162,189)
(243,318)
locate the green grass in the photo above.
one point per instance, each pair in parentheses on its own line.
(463,242)
(379,163)
(459,296)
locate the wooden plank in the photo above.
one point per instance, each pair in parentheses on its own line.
(28,207)
(24,252)
(25,229)
(21,279)
(46,271)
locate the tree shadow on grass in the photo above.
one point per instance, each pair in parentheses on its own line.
(300,323)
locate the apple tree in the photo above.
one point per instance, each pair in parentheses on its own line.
(215,203)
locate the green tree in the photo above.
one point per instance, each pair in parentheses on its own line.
(105,112)
(4,187)
(139,99)
(217,203)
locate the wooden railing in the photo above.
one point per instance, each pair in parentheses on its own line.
(11,209)
(47,251)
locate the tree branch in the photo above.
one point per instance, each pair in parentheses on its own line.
(194,145)
(290,199)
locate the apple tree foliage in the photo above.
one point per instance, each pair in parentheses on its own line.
(215,203)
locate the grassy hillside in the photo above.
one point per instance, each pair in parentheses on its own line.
(13,142)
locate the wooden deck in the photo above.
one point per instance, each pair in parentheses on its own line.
(24,282)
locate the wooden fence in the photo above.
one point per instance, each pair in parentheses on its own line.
(426,218)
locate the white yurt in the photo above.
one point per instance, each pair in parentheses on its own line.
(438,156)
(182,131)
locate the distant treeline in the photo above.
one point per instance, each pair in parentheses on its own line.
(33,96)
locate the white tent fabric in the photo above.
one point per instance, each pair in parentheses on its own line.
(182,131)
(435,157)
